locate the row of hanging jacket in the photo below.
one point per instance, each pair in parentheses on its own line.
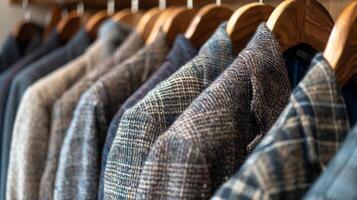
(181,103)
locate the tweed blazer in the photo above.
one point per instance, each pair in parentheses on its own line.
(299,145)
(79,164)
(64,107)
(33,121)
(150,117)
(181,52)
(212,138)
(339,181)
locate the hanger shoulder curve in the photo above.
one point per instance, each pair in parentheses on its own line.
(95,21)
(147,22)
(341,49)
(69,25)
(127,17)
(178,23)
(299,21)
(244,22)
(205,22)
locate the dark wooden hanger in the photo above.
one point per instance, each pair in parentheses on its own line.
(301,21)
(94,23)
(159,23)
(341,49)
(206,22)
(69,25)
(128,17)
(178,23)
(244,22)
(147,22)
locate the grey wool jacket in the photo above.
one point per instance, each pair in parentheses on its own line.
(149,118)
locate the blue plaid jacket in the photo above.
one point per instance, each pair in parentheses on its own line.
(339,179)
(300,144)
(149,118)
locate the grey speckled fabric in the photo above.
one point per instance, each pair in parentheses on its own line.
(79,165)
(149,118)
(33,121)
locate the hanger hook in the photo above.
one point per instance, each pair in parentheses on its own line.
(110,7)
(27,11)
(64,11)
(189,4)
(134,6)
(162,4)
(80,8)
(218,2)
(261,1)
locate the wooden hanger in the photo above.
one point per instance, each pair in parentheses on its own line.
(69,25)
(301,21)
(206,22)
(55,18)
(128,17)
(178,23)
(244,22)
(341,49)
(158,24)
(147,22)
(94,23)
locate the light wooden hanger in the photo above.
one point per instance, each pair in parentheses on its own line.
(97,19)
(24,31)
(301,21)
(159,23)
(129,16)
(178,22)
(54,18)
(244,22)
(70,24)
(205,22)
(341,49)
(147,22)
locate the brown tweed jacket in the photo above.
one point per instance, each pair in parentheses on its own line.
(212,138)
(64,107)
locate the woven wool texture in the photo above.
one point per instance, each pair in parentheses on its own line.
(79,165)
(32,125)
(64,107)
(142,124)
(300,144)
(212,138)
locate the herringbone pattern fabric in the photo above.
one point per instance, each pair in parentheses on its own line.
(149,118)
(64,107)
(299,145)
(79,165)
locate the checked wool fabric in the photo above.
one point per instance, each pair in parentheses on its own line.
(300,144)
(181,52)
(64,107)
(212,138)
(142,124)
(80,157)
(339,179)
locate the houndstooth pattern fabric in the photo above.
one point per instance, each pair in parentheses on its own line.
(64,107)
(79,165)
(32,125)
(339,181)
(212,138)
(142,124)
(299,145)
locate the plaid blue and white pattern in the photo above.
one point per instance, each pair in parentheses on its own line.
(142,124)
(300,144)
(339,180)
